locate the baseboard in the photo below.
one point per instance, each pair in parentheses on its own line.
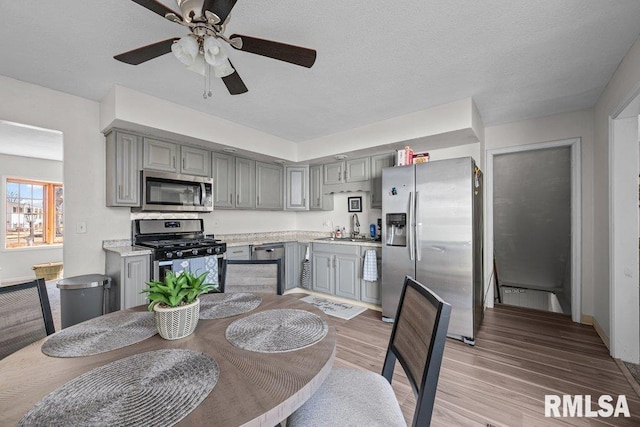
(625,371)
(590,320)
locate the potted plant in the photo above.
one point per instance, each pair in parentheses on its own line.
(175,302)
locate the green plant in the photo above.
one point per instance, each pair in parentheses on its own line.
(177,289)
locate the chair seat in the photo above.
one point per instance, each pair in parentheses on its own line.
(350,397)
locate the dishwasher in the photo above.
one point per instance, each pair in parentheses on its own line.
(270,251)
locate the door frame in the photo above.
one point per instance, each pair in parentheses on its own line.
(576,218)
(624,295)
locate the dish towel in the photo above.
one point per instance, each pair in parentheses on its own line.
(179,265)
(306,271)
(370,270)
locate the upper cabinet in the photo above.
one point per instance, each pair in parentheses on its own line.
(124,159)
(319,201)
(159,155)
(245,183)
(269,186)
(297,188)
(377,164)
(224,181)
(355,170)
(195,161)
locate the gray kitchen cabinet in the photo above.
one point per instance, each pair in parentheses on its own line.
(336,269)
(297,188)
(347,275)
(239,252)
(290,266)
(195,161)
(269,186)
(370,291)
(354,170)
(245,183)
(318,200)
(123,163)
(377,164)
(224,181)
(159,155)
(322,272)
(129,275)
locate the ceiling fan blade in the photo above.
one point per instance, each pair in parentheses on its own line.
(284,52)
(221,8)
(156,7)
(234,83)
(145,53)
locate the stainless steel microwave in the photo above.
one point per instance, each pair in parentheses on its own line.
(172,192)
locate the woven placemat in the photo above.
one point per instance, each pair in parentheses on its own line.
(147,389)
(277,331)
(218,306)
(101,334)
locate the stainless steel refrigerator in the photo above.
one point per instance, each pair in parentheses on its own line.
(432,231)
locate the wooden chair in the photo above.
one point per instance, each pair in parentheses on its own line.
(25,315)
(252,276)
(364,398)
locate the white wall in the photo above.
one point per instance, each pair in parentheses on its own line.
(239,221)
(84,168)
(16,263)
(624,82)
(558,127)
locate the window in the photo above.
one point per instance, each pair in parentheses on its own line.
(34,213)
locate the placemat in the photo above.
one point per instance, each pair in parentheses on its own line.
(277,331)
(101,334)
(218,306)
(147,389)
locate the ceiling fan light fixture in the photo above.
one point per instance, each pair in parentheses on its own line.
(186,50)
(198,65)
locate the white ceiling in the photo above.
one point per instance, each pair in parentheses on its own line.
(30,141)
(376,59)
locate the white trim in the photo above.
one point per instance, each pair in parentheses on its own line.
(576,216)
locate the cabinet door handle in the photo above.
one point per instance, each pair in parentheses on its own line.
(339,175)
(120,191)
(258,200)
(237,199)
(334,262)
(128,271)
(304,201)
(184,164)
(173,162)
(318,201)
(345,175)
(230,197)
(373,197)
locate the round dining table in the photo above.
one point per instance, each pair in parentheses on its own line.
(253,388)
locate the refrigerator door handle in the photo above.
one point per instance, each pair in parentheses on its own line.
(410,228)
(418,227)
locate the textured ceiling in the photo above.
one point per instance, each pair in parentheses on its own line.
(376,59)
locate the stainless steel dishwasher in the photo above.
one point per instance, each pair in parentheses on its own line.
(270,251)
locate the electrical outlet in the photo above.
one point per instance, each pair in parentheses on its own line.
(81,227)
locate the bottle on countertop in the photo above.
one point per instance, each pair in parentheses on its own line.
(344,232)
(372,231)
(338,233)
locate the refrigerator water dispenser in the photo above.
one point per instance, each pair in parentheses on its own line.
(396,229)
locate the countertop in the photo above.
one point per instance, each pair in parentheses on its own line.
(234,240)
(124,248)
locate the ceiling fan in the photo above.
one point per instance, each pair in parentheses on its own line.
(201,49)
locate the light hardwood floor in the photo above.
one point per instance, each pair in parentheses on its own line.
(520,356)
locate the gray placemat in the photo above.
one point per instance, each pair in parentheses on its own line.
(101,334)
(147,389)
(277,331)
(217,306)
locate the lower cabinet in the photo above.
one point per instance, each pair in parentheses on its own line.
(129,275)
(370,291)
(291,279)
(336,270)
(239,252)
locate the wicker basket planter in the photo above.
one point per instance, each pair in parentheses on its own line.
(177,322)
(48,271)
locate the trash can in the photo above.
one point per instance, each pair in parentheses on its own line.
(83,298)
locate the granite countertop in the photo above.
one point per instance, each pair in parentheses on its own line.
(235,240)
(124,248)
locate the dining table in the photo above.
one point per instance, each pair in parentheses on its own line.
(252,386)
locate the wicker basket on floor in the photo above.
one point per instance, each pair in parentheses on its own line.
(48,271)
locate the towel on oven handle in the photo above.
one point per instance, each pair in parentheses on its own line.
(197,266)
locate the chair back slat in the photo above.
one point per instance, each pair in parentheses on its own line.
(252,276)
(417,342)
(25,315)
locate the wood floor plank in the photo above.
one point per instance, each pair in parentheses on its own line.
(520,355)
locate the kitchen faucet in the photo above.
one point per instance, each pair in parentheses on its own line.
(355,226)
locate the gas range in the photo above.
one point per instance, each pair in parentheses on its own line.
(176,239)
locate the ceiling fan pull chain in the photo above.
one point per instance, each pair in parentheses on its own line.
(207,82)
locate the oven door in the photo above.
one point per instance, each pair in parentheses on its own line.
(196,266)
(163,191)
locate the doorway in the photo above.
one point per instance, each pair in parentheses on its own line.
(533,225)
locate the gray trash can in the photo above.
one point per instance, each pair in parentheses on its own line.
(83,298)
